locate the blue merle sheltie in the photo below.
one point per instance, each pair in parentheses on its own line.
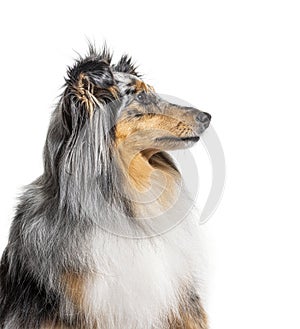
(107,236)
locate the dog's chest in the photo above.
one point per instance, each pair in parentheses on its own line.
(138,282)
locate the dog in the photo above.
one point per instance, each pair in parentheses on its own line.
(106,237)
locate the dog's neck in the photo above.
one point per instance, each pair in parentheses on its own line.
(152,180)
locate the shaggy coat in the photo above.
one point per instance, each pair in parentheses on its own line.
(107,236)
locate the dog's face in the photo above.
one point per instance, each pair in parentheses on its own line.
(139,116)
(151,122)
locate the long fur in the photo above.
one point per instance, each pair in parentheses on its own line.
(78,255)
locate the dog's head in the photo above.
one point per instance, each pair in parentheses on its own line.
(109,126)
(135,113)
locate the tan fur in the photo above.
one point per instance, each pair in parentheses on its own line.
(140,171)
(139,159)
(114,91)
(73,286)
(167,125)
(171,179)
(141,86)
(143,167)
(189,320)
(85,90)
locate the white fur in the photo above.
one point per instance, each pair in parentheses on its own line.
(139,281)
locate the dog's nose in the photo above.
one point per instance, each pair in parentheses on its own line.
(203,118)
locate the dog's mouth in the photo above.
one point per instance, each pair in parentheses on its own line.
(174,139)
(190,139)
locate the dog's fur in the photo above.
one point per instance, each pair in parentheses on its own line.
(106,237)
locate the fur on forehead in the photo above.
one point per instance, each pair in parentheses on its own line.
(129,84)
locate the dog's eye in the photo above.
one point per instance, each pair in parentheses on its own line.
(142,97)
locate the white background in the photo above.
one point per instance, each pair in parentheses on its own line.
(238,60)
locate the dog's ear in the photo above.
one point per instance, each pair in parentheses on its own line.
(126,65)
(91,81)
(90,84)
